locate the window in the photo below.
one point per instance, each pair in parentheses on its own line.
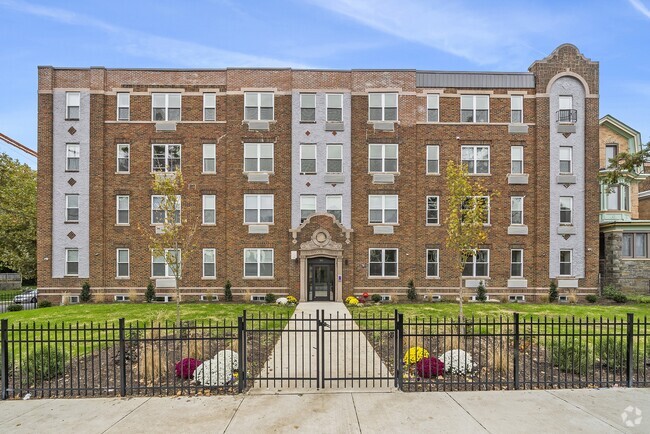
(432,262)
(432,210)
(635,245)
(433,159)
(334,158)
(72,103)
(258,106)
(382,263)
(258,157)
(123,106)
(474,108)
(307,206)
(566,114)
(209,158)
(382,158)
(334,205)
(517,210)
(209,209)
(517,160)
(122,256)
(160,267)
(565,262)
(123,158)
(618,197)
(471,202)
(566,159)
(71,262)
(382,209)
(382,106)
(307,107)
(478,265)
(611,151)
(433,103)
(166,106)
(566,209)
(476,158)
(122,210)
(258,208)
(516,109)
(516,263)
(72,157)
(307,159)
(71,207)
(209,263)
(209,107)
(258,262)
(334,103)
(166,158)
(159,210)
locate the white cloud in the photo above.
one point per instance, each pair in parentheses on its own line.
(640,7)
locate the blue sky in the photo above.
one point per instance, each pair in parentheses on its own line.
(421,34)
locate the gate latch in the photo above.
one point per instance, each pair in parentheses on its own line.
(322,324)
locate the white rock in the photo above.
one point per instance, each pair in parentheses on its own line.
(217,371)
(457,361)
(282,300)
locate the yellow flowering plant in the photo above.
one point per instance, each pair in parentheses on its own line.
(414,355)
(352,300)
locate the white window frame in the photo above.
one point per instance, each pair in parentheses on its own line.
(258,106)
(128,158)
(383,209)
(334,202)
(520,263)
(178,209)
(566,199)
(303,107)
(433,103)
(168,270)
(517,206)
(304,198)
(258,208)
(570,160)
(620,193)
(214,263)
(329,147)
(69,158)
(167,168)
(69,105)
(570,262)
(257,147)
(209,153)
(121,106)
(328,107)
(206,198)
(117,263)
(128,209)
(516,159)
(68,261)
(430,150)
(437,211)
(167,107)
(207,106)
(383,274)
(304,147)
(473,260)
(436,262)
(383,158)
(259,275)
(475,159)
(516,100)
(383,107)
(68,208)
(474,99)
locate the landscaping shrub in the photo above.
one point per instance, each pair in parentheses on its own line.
(270,298)
(610,292)
(591,298)
(611,351)
(44,303)
(227,291)
(552,293)
(481,293)
(218,371)
(412,294)
(376,298)
(414,355)
(150,293)
(85,292)
(43,363)
(457,362)
(352,300)
(619,298)
(430,367)
(571,354)
(15,307)
(186,367)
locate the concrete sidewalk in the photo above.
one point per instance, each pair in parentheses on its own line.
(589,410)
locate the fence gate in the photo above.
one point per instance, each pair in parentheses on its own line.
(317,352)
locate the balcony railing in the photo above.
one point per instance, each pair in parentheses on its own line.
(567,116)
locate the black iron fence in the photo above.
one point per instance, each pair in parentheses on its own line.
(322,352)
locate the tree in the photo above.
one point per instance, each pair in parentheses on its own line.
(85,292)
(17,217)
(552,293)
(467,211)
(150,293)
(227,291)
(481,293)
(174,235)
(625,165)
(412,294)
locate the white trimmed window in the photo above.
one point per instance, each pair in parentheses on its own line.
(635,245)
(516,109)
(382,106)
(617,197)
(72,104)
(258,106)
(123,106)
(122,256)
(516,263)
(382,262)
(476,158)
(209,158)
(433,210)
(165,158)
(209,263)
(517,159)
(122,203)
(565,113)
(471,202)
(123,158)
(566,261)
(611,151)
(334,158)
(433,263)
(433,106)
(566,159)
(566,210)
(334,205)
(307,206)
(334,102)
(209,107)
(474,108)
(258,208)
(478,265)
(258,157)
(165,106)
(158,212)
(307,107)
(308,159)
(71,207)
(71,262)
(382,158)
(209,209)
(159,266)
(433,159)
(517,210)
(258,262)
(72,157)
(382,209)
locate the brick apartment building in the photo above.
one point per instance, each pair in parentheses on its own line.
(319,183)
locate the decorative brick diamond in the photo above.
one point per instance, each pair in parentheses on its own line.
(307,133)
(308,184)
(71,235)
(333,133)
(566,135)
(71,130)
(72,182)
(566,237)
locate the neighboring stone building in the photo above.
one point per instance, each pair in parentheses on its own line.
(324,183)
(624,254)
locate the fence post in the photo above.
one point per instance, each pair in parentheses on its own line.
(630,348)
(515,365)
(4,342)
(241,349)
(122,358)
(399,342)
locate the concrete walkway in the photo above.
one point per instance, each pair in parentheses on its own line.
(588,411)
(350,361)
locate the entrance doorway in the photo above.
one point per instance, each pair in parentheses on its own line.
(320,279)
